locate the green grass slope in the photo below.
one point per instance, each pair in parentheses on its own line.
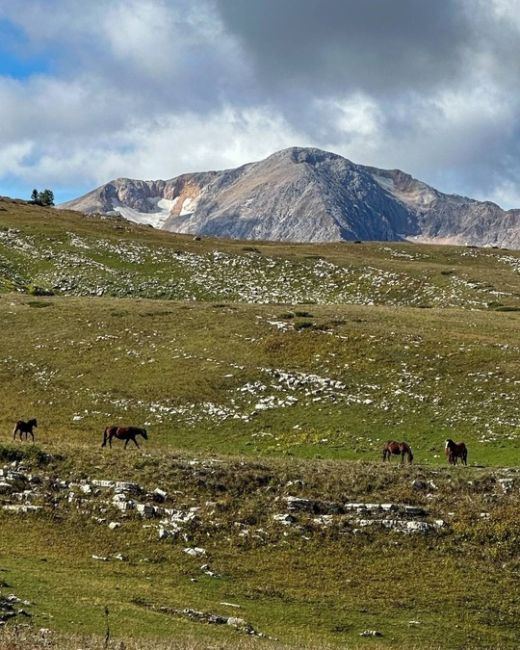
(312,581)
(67,253)
(261,372)
(327,381)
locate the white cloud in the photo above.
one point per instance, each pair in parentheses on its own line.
(153,88)
(13,157)
(505,193)
(157,149)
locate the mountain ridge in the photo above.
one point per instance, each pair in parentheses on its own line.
(307,195)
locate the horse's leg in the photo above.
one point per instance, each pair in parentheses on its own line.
(14,433)
(32,434)
(136,443)
(126,442)
(110,440)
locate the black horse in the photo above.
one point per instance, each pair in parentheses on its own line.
(22,427)
(123,433)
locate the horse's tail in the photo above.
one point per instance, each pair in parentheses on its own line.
(105,436)
(410,455)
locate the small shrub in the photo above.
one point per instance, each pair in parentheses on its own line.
(323,327)
(34,454)
(37,304)
(304,325)
(35,290)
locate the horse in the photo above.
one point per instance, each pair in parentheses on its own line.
(22,427)
(395,448)
(123,433)
(454,451)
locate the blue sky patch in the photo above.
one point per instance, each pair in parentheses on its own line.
(16,58)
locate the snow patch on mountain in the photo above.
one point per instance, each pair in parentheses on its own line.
(156,218)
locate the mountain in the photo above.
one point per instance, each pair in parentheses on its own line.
(305,194)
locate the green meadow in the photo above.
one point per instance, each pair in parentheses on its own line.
(262,372)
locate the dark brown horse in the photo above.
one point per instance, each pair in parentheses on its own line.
(454,451)
(393,448)
(22,427)
(123,433)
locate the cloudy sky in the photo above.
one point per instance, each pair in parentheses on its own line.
(90,91)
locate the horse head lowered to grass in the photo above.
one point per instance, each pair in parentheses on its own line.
(394,448)
(123,433)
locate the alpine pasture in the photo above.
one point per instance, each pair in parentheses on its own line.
(268,377)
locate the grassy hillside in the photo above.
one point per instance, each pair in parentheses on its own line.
(65,253)
(263,373)
(301,576)
(325,381)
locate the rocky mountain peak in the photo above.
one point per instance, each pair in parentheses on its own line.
(306,194)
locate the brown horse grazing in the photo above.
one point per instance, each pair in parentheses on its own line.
(22,427)
(123,433)
(395,448)
(454,451)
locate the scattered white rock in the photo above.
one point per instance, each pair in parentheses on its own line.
(159,495)
(285,519)
(370,633)
(145,510)
(195,551)
(506,484)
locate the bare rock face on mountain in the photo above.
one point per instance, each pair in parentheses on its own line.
(302,194)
